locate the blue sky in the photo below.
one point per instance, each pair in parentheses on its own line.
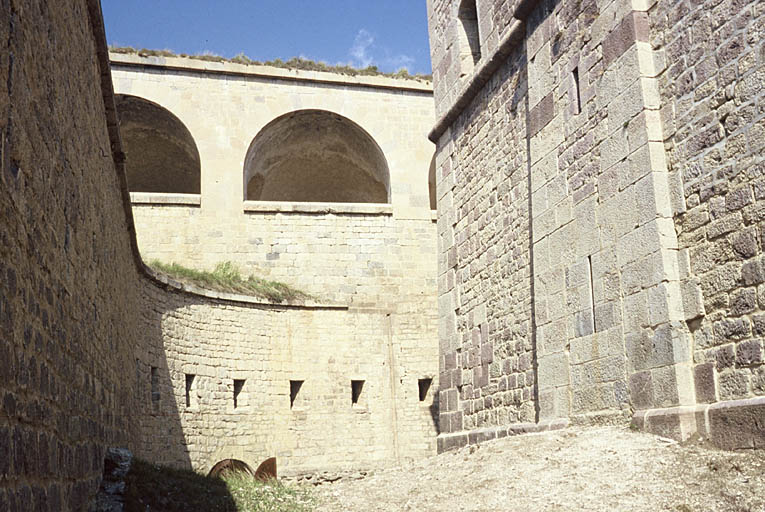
(387,33)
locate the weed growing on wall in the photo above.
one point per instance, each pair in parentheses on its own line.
(226,277)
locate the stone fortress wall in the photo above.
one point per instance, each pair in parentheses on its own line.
(97,350)
(69,295)
(597,170)
(238,187)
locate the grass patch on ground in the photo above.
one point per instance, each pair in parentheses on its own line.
(156,488)
(293,63)
(226,277)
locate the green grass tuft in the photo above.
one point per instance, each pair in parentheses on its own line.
(252,495)
(155,488)
(226,277)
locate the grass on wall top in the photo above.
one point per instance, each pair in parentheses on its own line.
(226,277)
(293,63)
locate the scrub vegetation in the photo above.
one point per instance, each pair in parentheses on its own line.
(293,63)
(226,277)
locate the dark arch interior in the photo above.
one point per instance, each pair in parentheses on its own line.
(432,183)
(315,156)
(161,155)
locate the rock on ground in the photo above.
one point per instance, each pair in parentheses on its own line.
(593,469)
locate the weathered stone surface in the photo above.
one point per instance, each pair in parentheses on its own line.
(642,203)
(69,313)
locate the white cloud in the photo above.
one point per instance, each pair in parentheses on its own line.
(365,52)
(360,49)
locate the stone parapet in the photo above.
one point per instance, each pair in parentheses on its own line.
(268,72)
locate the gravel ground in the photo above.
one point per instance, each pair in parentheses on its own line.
(593,469)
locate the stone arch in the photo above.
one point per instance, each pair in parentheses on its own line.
(315,156)
(161,155)
(432,183)
(230,466)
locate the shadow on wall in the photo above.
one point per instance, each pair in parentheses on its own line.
(434,414)
(432,183)
(161,155)
(190,407)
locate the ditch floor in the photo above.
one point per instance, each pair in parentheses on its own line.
(576,469)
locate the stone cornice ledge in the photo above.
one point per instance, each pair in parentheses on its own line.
(322,208)
(483,74)
(163,198)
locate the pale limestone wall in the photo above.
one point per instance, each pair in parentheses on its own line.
(225,106)
(613,294)
(267,346)
(368,256)
(378,256)
(714,130)
(362,259)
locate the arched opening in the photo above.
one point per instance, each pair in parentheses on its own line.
(227,466)
(432,183)
(315,156)
(469,37)
(161,155)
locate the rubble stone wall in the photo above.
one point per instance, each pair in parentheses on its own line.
(713,90)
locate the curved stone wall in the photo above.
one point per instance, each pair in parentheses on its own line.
(376,259)
(212,347)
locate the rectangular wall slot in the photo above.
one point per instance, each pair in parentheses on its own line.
(155,385)
(424,387)
(238,386)
(577,99)
(189,388)
(295,386)
(592,291)
(356,387)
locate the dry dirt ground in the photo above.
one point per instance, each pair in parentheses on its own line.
(593,469)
